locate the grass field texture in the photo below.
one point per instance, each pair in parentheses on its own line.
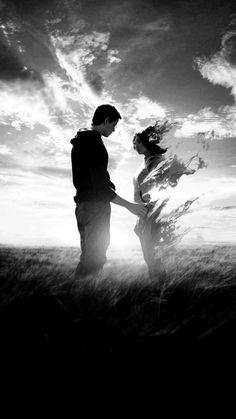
(46,315)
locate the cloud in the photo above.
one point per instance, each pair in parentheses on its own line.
(216,125)
(27,104)
(56,172)
(13,57)
(7,161)
(112,56)
(76,54)
(217,192)
(220,67)
(5,150)
(215,210)
(95,80)
(141,111)
(12,67)
(87,54)
(156,47)
(229,207)
(25,6)
(79,56)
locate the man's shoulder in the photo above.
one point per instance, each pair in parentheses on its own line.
(87,133)
(84,136)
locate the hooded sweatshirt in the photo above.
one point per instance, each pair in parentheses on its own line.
(89,160)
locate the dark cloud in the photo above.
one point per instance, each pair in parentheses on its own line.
(230,45)
(27,7)
(26,50)
(95,81)
(11,66)
(157,44)
(13,63)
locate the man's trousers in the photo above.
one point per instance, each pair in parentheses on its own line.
(93,220)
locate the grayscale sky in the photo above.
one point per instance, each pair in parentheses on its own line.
(60,59)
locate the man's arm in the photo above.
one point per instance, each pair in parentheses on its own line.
(136,209)
(101,182)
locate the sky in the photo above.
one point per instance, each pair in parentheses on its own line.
(154,60)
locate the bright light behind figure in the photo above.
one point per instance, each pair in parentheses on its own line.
(60,63)
(122,244)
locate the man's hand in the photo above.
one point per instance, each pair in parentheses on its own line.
(137,209)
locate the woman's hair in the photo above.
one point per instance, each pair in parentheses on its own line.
(152,136)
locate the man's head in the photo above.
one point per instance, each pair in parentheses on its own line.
(105,119)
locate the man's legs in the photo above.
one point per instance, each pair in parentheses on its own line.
(93,220)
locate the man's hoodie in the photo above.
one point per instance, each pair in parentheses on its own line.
(89,160)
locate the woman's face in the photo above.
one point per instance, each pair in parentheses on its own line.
(139,147)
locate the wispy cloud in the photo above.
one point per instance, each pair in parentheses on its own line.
(227,208)
(141,109)
(218,125)
(4,150)
(53,172)
(76,54)
(63,104)
(56,72)
(219,69)
(28,104)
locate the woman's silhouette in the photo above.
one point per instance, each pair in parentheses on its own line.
(148,231)
(158,172)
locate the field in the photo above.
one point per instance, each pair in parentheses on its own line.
(122,318)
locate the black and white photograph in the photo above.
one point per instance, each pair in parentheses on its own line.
(117,195)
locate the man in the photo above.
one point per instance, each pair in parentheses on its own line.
(95,191)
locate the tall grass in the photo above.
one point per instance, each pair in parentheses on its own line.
(120,323)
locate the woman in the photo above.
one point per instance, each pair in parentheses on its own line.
(147,229)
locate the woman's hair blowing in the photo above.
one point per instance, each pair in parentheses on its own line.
(153,135)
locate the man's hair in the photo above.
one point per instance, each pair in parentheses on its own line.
(103,112)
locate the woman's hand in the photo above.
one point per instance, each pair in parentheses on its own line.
(189,171)
(137,209)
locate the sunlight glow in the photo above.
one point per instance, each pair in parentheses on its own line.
(121,243)
(71,69)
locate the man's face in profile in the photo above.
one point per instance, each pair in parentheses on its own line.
(109,127)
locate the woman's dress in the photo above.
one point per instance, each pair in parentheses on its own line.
(147,228)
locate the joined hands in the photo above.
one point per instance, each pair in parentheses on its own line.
(138,209)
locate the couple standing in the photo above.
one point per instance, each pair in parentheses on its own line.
(95,192)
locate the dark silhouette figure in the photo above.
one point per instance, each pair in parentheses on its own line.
(95,191)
